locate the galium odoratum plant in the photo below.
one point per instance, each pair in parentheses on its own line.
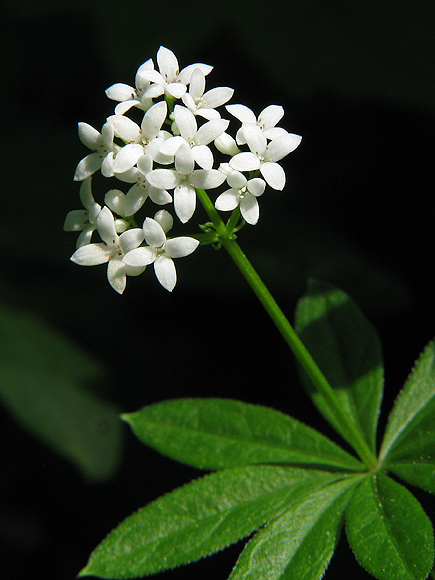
(272,477)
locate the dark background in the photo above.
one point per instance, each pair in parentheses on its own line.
(357,82)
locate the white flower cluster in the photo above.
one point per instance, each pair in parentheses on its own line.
(170,151)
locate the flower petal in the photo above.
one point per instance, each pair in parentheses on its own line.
(127,157)
(92,255)
(211,130)
(185,201)
(256,186)
(184,162)
(242,113)
(120,92)
(186,122)
(245,161)
(282,146)
(249,209)
(207,178)
(181,247)
(154,233)
(203,156)
(131,239)
(274,175)
(166,273)
(168,64)
(227,201)
(153,120)
(255,138)
(87,166)
(116,274)
(270,116)
(140,257)
(163,178)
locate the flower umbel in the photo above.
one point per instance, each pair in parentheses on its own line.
(181,144)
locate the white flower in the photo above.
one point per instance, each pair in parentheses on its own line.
(243,193)
(139,139)
(184,179)
(112,250)
(196,139)
(264,156)
(267,120)
(161,251)
(83,220)
(169,80)
(204,104)
(132,97)
(103,150)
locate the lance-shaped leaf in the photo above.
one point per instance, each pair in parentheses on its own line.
(388,531)
(200,518)
(408,448)
(222,433)
(300,543)
(347,350)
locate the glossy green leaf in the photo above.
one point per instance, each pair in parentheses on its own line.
(408,447)
(346,347)
(388,531)
(200,518)
(221,433)
(43,379)
(300,543)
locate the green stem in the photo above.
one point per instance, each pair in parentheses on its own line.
(288,333)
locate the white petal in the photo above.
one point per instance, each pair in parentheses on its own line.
(181,247)
(76,220)
(165,219)
(269,117)
(163,178)
(91,255)
(197,84)
(124,106)
(227,201)
(89,136)
(226,145)
(153,120)
(115,200)
(86,196)
(207,178)
(87,166)
(185,201)
(106,227)
(159,196)
(140,257)
(136,197)
(274,175)
(186,122)
(249,209)
(217,96)
(154,233)
(184,162)
(274,132)
(116,274)
(203,156)
(245,162)
(171,145)
(211,130)
(107,165)
(127,157)
(186,74)
(120,92)
(166,273)
(254,138)
(139,79)
(256,186)
(125,128)
(85,237)
(282,146)
(236,179)
(242,113)
(176,90)
(131,239)
(168,64)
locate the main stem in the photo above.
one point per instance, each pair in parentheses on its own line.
(287,331)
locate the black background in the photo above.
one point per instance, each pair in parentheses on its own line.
(358,85)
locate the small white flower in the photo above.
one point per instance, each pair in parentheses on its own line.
(196,139)
(243,193)
(169,80)
(264,156)
(111,251)
(132,97)
(161,251)
(184,179)
(267,120)
(103,149)
(204,104)
(84,221)
(139,139)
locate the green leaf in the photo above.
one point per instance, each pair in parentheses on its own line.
(43,376)
(300,543)
(220,433)
(347,350)
(388,531)
(200,518)
(408,447)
